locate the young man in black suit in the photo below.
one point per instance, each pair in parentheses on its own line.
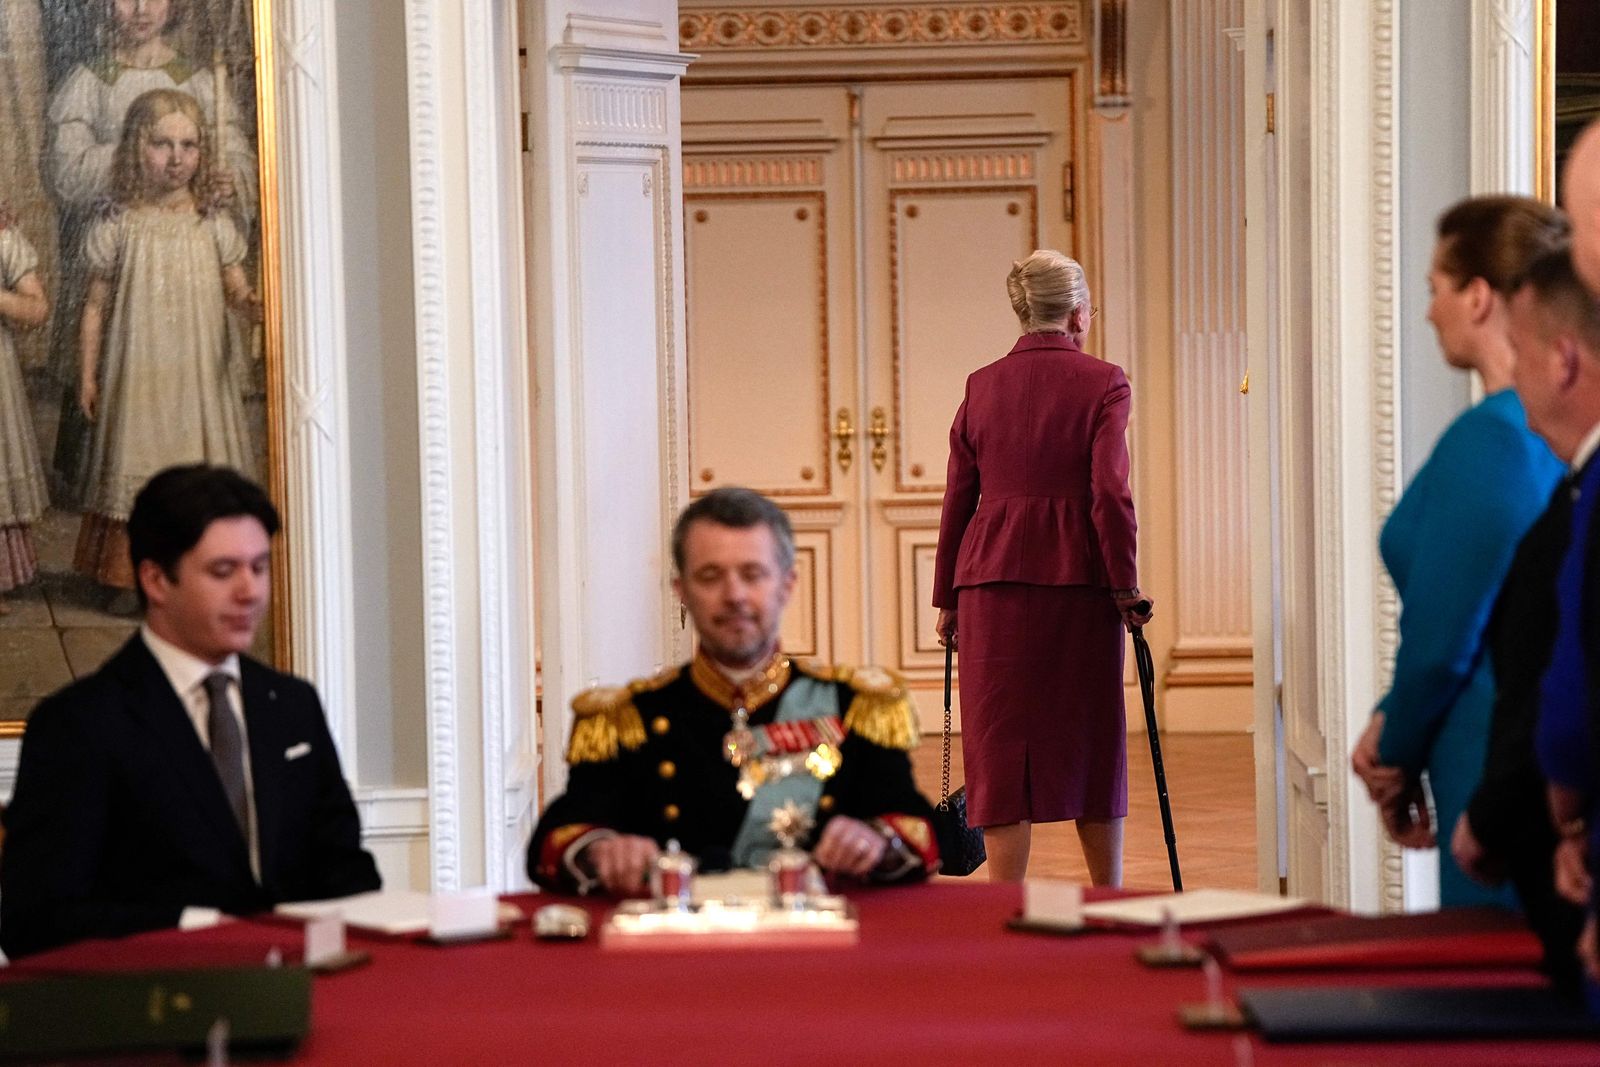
(183,780)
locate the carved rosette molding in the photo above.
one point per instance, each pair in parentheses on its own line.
(965,167)
(745,172)
(1385,379)
(837,27)
(439,587)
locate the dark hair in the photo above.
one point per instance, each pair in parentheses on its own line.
(741,509)
(1563,299)
(177,505)
(1496,237)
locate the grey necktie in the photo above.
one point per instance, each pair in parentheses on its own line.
(227,747)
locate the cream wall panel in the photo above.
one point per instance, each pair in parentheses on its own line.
(757,275)
(950,311)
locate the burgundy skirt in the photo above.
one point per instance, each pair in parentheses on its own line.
(1043,730)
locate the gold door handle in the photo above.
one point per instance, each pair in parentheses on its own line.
(879,432)
(844,432)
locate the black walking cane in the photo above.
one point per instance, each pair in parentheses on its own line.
(1147,688)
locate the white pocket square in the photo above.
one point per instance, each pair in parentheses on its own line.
(296,751)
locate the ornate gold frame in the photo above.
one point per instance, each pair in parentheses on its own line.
(272,321)
(272,330)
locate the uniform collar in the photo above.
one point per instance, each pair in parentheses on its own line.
(756,690)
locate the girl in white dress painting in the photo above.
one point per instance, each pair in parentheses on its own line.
(22,484)
(159,375)
(86,117)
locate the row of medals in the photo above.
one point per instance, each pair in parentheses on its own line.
(740,748)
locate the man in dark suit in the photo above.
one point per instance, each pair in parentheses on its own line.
(183,780)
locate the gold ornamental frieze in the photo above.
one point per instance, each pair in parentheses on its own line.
(844,27)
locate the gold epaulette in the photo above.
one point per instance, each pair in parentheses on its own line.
(605,722)
(659,680)
(881,711)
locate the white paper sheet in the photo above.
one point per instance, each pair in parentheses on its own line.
(385,911)
(1195,906)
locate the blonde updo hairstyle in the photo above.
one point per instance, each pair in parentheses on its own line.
(1046,288)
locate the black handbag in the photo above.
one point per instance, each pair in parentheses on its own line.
(961,848)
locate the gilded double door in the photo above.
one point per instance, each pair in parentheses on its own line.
(846,253)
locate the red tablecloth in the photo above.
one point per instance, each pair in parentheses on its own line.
(935,979)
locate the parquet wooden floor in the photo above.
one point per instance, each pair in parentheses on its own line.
(1211,786)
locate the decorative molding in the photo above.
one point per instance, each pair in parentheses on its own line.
(1504,95)
(919,515)
(607,109)
(703,172)
(429,255)
(1242,648)
(392,814)
(504,498)
(840,27)
(1385,378)
(304,126)
(946,167)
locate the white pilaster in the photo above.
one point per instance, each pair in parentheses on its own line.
(473,435)
(1353,276)
(1503,90)
(1213,595)
(316,460)
(608,339)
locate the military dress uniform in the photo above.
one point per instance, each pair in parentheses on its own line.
(689,756)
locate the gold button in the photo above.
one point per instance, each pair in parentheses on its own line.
(670,812)
(660,725)
(825,804)
(667,768)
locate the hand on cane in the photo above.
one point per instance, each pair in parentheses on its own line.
(946,627)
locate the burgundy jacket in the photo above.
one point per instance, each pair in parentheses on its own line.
(1037,490)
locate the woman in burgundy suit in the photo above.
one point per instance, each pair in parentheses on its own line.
(1036,561)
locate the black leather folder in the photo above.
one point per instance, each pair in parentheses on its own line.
(1377,1013)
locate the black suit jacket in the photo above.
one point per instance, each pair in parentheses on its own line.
(1509,813)
(119,821)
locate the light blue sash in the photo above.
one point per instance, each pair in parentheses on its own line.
(806,698)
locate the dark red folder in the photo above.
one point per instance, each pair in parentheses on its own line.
(1457,937)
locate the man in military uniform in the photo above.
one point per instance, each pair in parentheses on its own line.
(705,753)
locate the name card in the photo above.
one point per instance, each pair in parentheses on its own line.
(473,913)
(324,939)
(1051,901)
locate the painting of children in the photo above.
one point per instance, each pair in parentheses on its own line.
(130,328)
(157,380)
(22,486)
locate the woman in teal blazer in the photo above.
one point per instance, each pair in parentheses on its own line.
(1450,540)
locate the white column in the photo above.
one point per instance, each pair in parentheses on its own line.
(608,341)
(474,430)
(1213,603)
(1503,90)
